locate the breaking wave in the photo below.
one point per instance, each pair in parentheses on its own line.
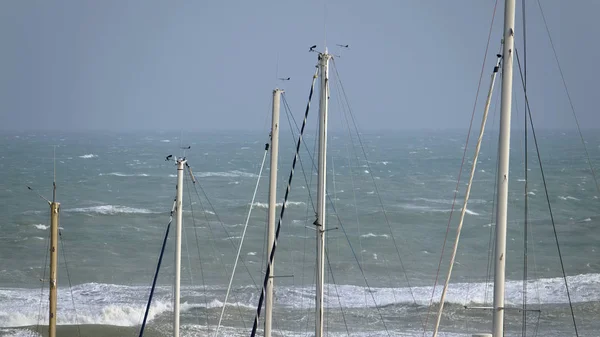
(110,210)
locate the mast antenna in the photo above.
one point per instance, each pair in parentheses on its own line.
(54,179)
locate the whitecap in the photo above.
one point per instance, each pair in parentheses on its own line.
(109,210)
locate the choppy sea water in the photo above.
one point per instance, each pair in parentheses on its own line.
(116,192)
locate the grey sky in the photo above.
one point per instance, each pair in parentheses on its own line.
(120,65)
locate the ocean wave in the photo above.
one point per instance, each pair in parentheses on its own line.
(279,204)
(110,210)
(87,156)
(371,235)
(228,174)
(449,201)
(42,227)
(121,305)
(568,197)
(119,174)
(551,291)
(428,209)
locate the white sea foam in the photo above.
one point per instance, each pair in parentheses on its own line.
(124,305)
(119,174)
(371,235)
(87,156)
(428,209)
(110,210)
(552,291)
(279,204)
(165,141)
(42,227)
(449,201)
(228,174)
(568,197)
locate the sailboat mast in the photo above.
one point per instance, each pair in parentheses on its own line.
(503,165)
(272,207)
(178,223)
(54,211)
(322,171)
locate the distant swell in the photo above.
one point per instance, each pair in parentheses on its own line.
(110,210)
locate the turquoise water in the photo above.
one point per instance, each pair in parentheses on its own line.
(116,192)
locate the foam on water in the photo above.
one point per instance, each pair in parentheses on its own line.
(124,305)
(20,307)
(88,156)
(552,291)
(119,174)
(229,174)
(371,235)
(109,210)
(279,204)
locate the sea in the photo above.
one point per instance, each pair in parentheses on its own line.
(393,206)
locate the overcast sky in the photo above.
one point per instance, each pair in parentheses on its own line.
(195,65)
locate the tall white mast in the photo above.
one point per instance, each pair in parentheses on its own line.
(503,164)
(178,223)
(322,171)
(272,207)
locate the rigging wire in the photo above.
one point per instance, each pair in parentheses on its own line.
(548,199)
(43,281)
(360,267)
(214,237)
(290,118)
(336,292)
(349,135)
(162,251)
(467,193)
(348,239)
(562,76)
(69,279)
(376,191)
(283,207)
(289,114)
(230,239)
(461,165)
(187,183)
(237,258)
(492,248)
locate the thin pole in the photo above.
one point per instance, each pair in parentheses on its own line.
(322,171)
(54,211)
(178,222)
(503,164)
(467,193)
(272,208)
